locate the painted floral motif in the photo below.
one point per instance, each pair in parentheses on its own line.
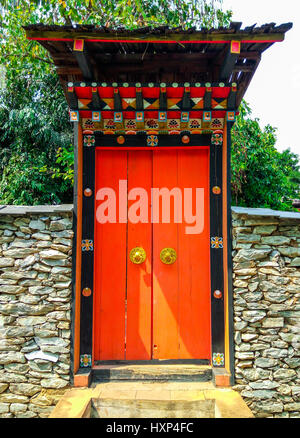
(109,124)
(173,124)
(216,242)
(89,140)
(85,360)
(88,124)
(216,123)
(152,140)
(87,245)
(218,359)
(130,124)
(217,139)
(151,123)
(195,124)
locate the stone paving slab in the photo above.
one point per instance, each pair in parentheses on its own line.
(163,408)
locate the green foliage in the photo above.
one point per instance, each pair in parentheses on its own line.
(36,156)
(261,175)
(21,56)
(35,138)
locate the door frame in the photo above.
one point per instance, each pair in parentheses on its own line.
(220,230)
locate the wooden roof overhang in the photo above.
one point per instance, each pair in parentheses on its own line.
(96,55)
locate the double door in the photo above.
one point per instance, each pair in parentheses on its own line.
(152,268)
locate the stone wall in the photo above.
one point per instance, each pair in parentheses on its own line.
(35,302)
(266,280)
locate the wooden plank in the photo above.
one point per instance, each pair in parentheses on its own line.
(139,276)
(110,264)
(165,277)
(193,260)
(194,36)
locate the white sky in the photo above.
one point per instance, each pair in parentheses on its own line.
(274,92)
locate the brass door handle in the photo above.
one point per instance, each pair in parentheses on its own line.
(137,255)
(168,256)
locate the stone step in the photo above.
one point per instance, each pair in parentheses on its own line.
(112,408)
(145,399)
(154,373)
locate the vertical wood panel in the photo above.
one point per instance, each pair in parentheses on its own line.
(193,262)
(165,277)
(181,291)
(110,264)
(139,276)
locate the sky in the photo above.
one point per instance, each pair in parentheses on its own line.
(274,92)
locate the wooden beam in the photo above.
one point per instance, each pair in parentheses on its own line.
(144,38)
(68,71)
(84,66)
(72,98)
(244,83)
(96,101)
(83,60)
(228,65)
(207,99)
(231,100)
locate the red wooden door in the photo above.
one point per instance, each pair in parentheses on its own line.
(152,310)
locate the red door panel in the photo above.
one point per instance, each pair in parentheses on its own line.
(110,264)
(181,294)
(165,277)
(194,261)
(139,281)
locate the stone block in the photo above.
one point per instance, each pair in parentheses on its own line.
(273,322)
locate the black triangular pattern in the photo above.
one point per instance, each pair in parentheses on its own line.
(102,104)
(150,100)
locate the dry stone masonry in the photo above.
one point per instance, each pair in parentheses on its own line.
(35,305)
(266,285)
(35,302)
